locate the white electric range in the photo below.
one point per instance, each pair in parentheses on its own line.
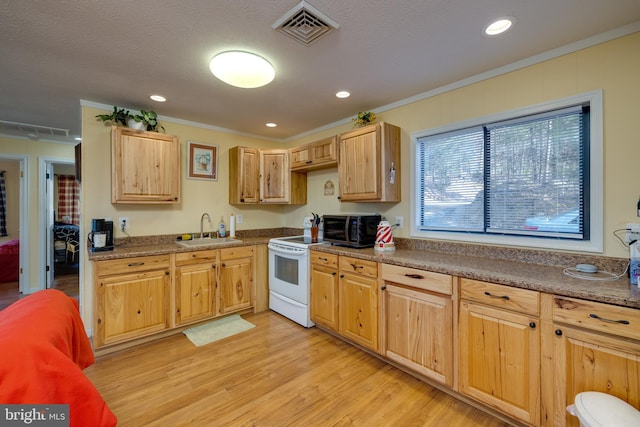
(289,277)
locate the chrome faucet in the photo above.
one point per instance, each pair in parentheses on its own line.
(201,220)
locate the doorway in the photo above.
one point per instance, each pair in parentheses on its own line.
(15,233)
(60,221)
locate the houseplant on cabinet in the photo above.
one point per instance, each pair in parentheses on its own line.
(146,120)
(118,116)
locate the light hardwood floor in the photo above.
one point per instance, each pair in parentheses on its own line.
(10,291)
(276,374)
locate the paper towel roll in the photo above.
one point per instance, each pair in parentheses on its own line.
(232,226)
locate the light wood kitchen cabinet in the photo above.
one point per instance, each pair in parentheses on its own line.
(596,348)
(417,321)
(317,155)
(145,167)
(196,280)
(358,301)
(499,348)
(236,279)
(369,167)
(324,290)
(244,183)
(264,176)
(131,298)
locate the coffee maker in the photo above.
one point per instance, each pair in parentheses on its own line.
(101,236)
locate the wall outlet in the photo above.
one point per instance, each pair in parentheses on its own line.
(239,219)
(633,232)
(123,223)
(400,221)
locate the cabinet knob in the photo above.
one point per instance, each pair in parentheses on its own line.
(166,273)
(382,288)
(532,325)
(334,273)
(342,276)
(558,332)
(242,199)
(224,265)
(309,162)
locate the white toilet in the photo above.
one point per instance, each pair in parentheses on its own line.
(595,409)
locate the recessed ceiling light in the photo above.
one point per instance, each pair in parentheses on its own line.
(343,94)
(158,98)
(499,26)
(242,69)
(271,125)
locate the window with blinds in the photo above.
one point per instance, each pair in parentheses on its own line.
(522,176)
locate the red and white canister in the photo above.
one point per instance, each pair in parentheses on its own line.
(384,237)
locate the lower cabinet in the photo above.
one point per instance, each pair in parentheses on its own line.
(132,298)
(236,279)
(324,290)
(196,280)
(596,348)
(358,301)
(418,321)
(499,348)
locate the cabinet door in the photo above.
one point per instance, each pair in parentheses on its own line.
(243,175)
(589,361)
(236,284)
(300,157)
(145,167)
(500,360)
(274,176)
(324,296)
(358,307)
(195,292)
(130,306)
(419,331)
(359,169)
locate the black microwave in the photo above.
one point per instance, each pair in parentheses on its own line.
(356,231)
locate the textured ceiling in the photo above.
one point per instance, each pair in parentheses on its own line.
(56,52)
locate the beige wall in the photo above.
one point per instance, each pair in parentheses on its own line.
(612,67)
(34,150)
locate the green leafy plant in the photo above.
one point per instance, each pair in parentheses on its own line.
(119,115)
(150,120)
(364,118)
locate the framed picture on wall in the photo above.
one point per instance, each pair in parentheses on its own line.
(202,161)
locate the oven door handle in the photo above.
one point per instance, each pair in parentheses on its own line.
(291,252)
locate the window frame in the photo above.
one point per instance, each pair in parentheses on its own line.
(595,176)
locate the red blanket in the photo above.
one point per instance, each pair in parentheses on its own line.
(9,261)
(43,349)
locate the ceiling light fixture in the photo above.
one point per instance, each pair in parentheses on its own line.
(242,69)
(271,125)
(158,98)
(499,26)
(343,94)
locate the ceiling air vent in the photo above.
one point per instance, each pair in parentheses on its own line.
(33,132)
(305,24)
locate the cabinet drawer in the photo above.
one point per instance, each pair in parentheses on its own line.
(321,258)
(238,252)
(520,300)
(131,265)
(187,258)
(427,280)
(605,318)
(366,268)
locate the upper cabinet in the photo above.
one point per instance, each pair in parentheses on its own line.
(145,167)
(264,176)
(317,155)
(369,167)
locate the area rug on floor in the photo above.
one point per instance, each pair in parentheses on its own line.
(217,330)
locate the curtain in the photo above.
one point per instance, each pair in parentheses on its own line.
(68,199)
(3,206)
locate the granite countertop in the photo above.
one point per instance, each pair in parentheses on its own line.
(521,274)
(147,247)
(523,268)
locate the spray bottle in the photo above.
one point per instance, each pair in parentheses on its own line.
(634,262)
(222,232)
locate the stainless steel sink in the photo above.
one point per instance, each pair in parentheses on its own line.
(196,243)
